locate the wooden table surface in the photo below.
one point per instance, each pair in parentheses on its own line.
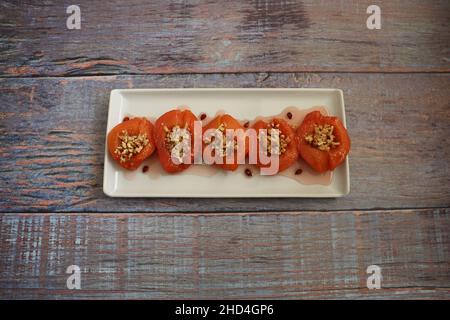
(54,91)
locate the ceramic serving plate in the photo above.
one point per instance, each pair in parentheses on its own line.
(209,181)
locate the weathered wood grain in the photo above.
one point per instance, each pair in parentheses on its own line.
(270,255)
(53,132)
(141,37)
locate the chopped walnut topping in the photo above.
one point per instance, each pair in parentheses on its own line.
(276,140)
(223,146)
(177,140)
(323,138)
(130,145)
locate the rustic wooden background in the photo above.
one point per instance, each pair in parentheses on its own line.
(54,90)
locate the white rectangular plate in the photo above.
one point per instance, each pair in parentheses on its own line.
(242,104)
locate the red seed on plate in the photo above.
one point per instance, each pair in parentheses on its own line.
(145,169)
(126,119)
(203,116)
(248,172)
(289,115)
(298,171)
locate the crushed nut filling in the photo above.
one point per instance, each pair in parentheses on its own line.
(276,143)
(130,145)
(177,140)
(323,138)
(222,145)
